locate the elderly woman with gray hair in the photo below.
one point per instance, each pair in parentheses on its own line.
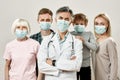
(20,54)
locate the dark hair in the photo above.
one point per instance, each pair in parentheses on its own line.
(45,11)
(64,9)
(80,16)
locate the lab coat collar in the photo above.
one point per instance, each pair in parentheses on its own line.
(68,35)
(67,43)
(56,43)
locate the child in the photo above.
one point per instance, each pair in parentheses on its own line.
(89,44)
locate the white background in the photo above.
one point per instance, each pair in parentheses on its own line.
(28,9)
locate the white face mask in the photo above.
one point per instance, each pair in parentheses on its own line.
(62,25)
(100,29)
(20,34)
(45,25)
(79,28)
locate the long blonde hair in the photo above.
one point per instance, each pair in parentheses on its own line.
(104,16)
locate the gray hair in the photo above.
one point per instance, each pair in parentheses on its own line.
(20,22)
(65,9)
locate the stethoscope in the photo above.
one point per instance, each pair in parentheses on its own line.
(50,42)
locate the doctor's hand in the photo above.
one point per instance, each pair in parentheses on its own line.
(80,38)
(73,57)
(49,61)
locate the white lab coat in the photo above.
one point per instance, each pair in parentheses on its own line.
(62,58)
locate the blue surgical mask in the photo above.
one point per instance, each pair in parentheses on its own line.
(20,34)
(62,25)
(100,29)
(45,25)
(79,28)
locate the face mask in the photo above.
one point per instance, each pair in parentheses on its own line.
(100,29)
(45,25)
(20,34)
(79,28)
(62,25)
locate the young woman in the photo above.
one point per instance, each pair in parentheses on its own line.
(20,54)
(106,64)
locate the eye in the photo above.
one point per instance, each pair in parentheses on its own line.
(67,19)
(60,18)
(24,27)
(42,20)
(96,23)
(47,20)
(81,24)
(102,24)
(18,27)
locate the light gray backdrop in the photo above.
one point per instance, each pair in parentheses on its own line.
(28,9)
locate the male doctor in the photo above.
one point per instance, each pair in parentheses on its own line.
(61,57)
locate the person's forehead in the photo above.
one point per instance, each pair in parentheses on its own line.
(79,21)
(100,19)
(45,15)
(64,14)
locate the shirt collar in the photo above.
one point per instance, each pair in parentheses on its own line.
(65,37)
